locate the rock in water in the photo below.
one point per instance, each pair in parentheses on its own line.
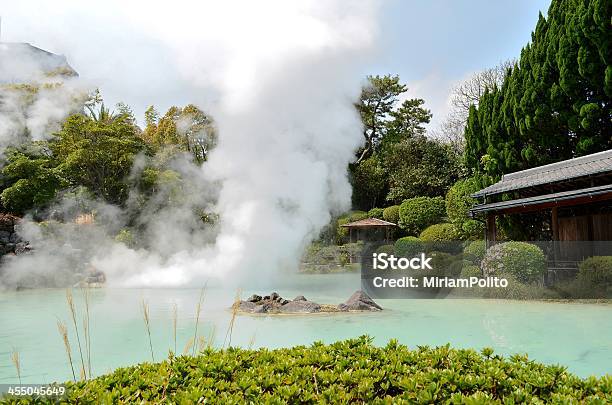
(359,301)
(300,307)
(246,306)
(254,298)
(300,298)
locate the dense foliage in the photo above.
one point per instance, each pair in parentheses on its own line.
(522,260)
(439,232)
(408,246)
(475,251)
(458,204)
(596,270)
(418,213)
(397,160)
(351,371)
(556,102)
(391,214)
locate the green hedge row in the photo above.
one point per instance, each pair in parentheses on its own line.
(351,371)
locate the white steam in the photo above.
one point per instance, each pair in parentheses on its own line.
(36,94)
(280,78)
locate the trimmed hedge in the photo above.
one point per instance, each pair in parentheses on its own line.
(458,203)
(439,233)
(521,259)
(376,213)
(418,213)
(408,246)
(475,251)
(471,271)
(596,270)
(391,214)
(350,371)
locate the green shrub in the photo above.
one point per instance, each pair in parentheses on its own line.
(456,268)
(439,233)
(471,271)
(342,233)
(126,237)
(357,216)
(418,213)
(408,246)
(376,213)
(458,203)
(391,214)
(596,270)
(350,371)
(475,251)
(523,260)
(389,249)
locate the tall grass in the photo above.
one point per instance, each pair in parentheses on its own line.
(63,330)
(197,320)
(17,362)
(147,321)
(73,314)
(230,329)
(188,346)
(174,322)
(87,330)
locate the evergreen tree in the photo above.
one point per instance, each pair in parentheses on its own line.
(555,103)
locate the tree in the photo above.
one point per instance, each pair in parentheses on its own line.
(30,181)
(467,94)
(420,166)
(385,125)
(97,155)
(556,102)
(369,181)
(189,128)
(378,98)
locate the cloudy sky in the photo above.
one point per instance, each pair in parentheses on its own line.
(130,51)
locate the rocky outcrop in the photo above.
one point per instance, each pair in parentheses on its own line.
(10,241)
(360,301)
(275,304)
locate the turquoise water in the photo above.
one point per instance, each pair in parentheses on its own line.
(578,336)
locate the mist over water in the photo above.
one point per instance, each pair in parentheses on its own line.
(280,79)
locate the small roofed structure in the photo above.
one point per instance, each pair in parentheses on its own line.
(369,229)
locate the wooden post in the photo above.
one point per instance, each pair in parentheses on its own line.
(491,230)
(554,222)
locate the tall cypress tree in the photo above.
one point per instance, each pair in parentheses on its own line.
(556,102)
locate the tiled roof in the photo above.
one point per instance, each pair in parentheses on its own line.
(368,222)
(596,163)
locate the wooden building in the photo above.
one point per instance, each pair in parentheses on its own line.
(575,195)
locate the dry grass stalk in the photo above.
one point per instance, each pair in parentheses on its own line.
(147,320)
(87,330)
(17,362)
(197,320)
(63,330)
(211,336)
(72,307)
(174,322)
(188,346)
(201,343)
(252,340)
(230,329)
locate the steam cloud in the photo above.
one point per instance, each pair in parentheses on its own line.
(280,78)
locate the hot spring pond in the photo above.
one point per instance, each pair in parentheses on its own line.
(578,336)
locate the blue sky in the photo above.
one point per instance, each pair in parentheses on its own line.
(432,45)
(435,44)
